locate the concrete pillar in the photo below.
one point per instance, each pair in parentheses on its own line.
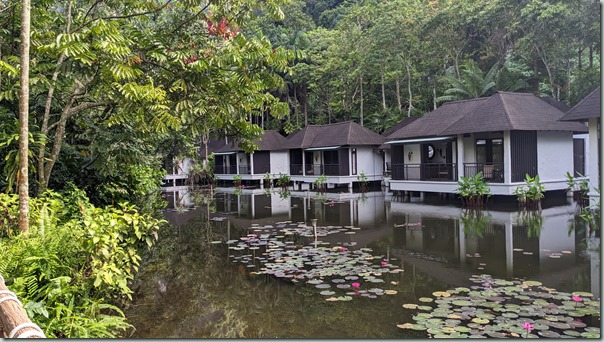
(593,163)
(460,157)
(422,195)
(251,166)
(507,157)
(350,187)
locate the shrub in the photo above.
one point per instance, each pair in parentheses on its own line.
(580,188)
(473,190)
(73,266)
(531,195)
(283,180)
(321,183)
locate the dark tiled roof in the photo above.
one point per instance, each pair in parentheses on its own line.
(499,112)
(269,141)
(213,146)
(400,125)
(563,107)
(337,134)
(587,108)
(505,111)
(437,121)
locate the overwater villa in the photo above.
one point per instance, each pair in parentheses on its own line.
(589,110)
(504,136)
(343,152)
(230,161)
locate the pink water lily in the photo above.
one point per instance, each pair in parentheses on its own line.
(384,263)
(342,249)
(577,298)
(356,285)
(528,326)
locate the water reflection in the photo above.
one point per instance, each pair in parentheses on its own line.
(438,245)
(520,243)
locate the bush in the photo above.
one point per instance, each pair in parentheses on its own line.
(531,195)
(72,268)
(473,190)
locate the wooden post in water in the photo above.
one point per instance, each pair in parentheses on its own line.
(14,322)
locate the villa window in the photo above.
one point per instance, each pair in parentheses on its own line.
(489,151)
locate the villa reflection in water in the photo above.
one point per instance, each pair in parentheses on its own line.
(444,241)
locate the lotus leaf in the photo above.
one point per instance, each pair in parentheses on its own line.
(441,294)
(480,320)
(424,308)
(462,302)
(549,334)
(426,299)
(327,293)
(410,306)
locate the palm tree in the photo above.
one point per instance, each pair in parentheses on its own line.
(473,82)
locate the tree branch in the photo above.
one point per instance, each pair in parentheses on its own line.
(124,16)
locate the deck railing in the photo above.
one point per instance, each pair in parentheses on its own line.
(225,170)
(244,169)
(444,172)
(492,172)
(315,169)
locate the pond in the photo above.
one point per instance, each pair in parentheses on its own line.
(247,264)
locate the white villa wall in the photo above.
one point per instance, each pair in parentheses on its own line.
(416,157)
(368,161)
(554,155)
(242,159)
(279,162)
(469,154)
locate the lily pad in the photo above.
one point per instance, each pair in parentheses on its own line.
(426,299)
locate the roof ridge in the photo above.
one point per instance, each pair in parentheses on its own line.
(583,99)
(484,99)
(507,114)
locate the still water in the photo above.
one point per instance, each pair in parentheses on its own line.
(195,284)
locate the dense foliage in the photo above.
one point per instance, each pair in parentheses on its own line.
(376,61)
(75,263)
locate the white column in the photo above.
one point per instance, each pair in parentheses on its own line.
(507,157)
(303,163)
(593,165)
(460,157)
(251,166)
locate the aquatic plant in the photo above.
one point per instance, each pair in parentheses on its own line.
(475,221)
(321,183)
(267,251)
(363,180)
(283,181)
(268,180)
(237,180)
(579,188)
(501,308)
(530,196)
(473,190)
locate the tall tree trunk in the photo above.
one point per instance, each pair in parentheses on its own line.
(48,106)
(23,174)
(361,94)
(305,104)
(434,97)
(399,102)
(296,106)
(383,93)
(409,89)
